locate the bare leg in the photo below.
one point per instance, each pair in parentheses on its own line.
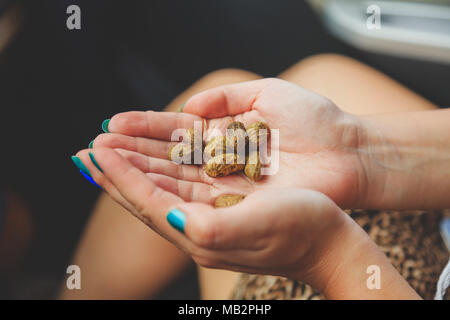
(121,258)
(212,80)
(353,86)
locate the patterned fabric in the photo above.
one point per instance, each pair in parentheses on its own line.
(410,239)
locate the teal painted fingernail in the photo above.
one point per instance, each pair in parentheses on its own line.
(80,165)
(91,155)
(177,219)
(105,125)
(180,108)
(91,144)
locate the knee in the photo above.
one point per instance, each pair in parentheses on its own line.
(318,65)
(327,59)
(226,76)
(211,80)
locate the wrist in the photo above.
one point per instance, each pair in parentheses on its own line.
(329,261)
(390,164)
(373,152)
(344,268)
(402,166)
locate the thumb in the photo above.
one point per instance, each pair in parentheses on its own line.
(225,100)
(215,228)
(250,223)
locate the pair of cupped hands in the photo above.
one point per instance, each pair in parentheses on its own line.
(290,223)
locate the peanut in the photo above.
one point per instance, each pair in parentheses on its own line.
(215,146)
(223,153)
(228,200)
(236,137)
(223,165)
(188,136)
(258,133)
(182,153)
(253,166)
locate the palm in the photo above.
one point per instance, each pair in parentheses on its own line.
(316,149)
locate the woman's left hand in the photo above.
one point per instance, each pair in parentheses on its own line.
(281,231)
(296,233)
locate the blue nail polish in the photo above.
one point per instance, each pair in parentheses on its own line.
(90,179)
(91,144)
(80,165)
(177,219)
(91,155)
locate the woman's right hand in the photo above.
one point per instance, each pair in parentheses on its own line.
(390,161)
(318,143)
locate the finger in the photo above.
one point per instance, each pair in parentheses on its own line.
(225,100)
(182,174)
(166,167)
(187,190)
(155,219)
(150,147)
(200,191)
(150,201)
(236,227)
(250,224)
(151,124)
(104,183)
(247,261)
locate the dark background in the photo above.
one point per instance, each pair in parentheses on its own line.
(57,86)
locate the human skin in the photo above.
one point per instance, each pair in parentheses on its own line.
(312,240)
(429,164)
(390,161)
(333,76)
(117,257)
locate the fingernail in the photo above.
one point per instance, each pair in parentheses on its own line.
(105,125)
(90,179)
(91,155)
(177,219)
(80,165)
(91,144)
(180,108)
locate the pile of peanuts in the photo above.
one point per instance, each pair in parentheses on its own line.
(224,154)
